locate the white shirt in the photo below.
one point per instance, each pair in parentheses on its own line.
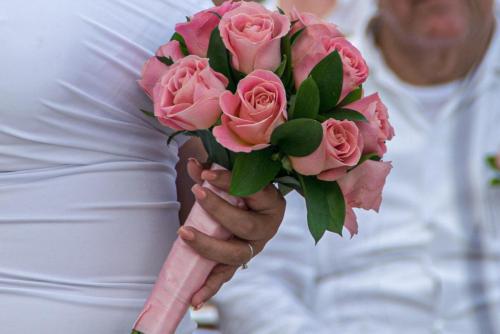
(88,206)
(428,263)
(432,99)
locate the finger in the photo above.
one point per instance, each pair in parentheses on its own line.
(267,201)
(218,178)
(244,224)
(232,252)
(195,169)
(220,275)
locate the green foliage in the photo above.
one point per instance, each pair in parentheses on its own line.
(307,100)
(216,152)
(281,69)
(298,137)
(253,171)
(343,114)
(328,76)
(289,183)
(326,207)
(178,37)
(287,77)
(219,58)
(165,60)
(491,161)
(297,35)
(353,96)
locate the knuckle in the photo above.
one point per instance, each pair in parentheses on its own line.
(248,229)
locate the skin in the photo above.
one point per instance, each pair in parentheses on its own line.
(427,42)
(256,225)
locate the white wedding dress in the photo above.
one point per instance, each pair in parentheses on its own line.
(88,208)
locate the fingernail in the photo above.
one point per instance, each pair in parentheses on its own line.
(199,306)
(199,192)
(186,234)
(208,175)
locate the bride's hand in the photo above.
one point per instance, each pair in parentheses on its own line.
(255,226)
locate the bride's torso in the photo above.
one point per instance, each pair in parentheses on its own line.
(88,207)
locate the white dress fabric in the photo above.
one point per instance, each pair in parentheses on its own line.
(88,206)
(428,263)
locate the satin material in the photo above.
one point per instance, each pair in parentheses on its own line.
(183,273)
(88,208)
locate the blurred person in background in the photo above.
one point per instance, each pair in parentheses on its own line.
(430,261)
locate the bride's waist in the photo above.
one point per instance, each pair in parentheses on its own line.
(118,218)
(83,187)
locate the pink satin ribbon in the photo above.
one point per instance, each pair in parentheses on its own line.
(182,275)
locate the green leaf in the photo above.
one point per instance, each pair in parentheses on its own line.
(286,51)
(298,137)
(291,106)
(253,171)
(216,152)
(178,37)
(284,190)
(165,60)
(329,78)
(353,96)
(325,206)
(342,115)
(290,182)
(492,162)
(136,332)
(237,76)
(219,57)
(148,113)
(281,69)
(281,11)
(307,100)
(297,35)
(495,182)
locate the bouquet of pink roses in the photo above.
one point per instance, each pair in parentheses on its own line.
(275,99)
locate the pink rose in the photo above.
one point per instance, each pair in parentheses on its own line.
(304,19)
(378,129)
(252,34)
(153,69)
(198,30)
(317,42)
(339,150)
(187,96)
(251,115)
(362,188)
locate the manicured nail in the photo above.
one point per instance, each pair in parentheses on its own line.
(186,234)
(199,192)
(208,175)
